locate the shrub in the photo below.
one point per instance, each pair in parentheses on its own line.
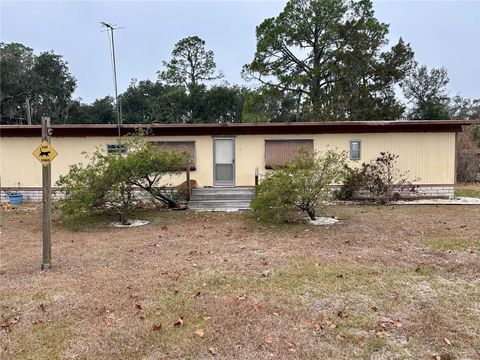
(108,181)
(148,164)
(381,177)
(352,183)
(384,179)
(468,155)
(301,185)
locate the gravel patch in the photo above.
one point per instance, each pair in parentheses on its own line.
(132,223)
(455,201)
(323,221)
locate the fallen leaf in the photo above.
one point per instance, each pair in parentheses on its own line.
(241,298)
(205,318)
(447,341)
(6,328)
(200,332)
(318,327)
(156,327)
(212,350)
(268,340)
(256,307)
(340,337)
(266,273)
(179,322)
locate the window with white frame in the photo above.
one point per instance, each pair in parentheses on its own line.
(355,149)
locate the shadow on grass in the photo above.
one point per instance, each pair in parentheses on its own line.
(98,220)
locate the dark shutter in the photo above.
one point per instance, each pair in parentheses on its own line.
(187,146)
(281,152)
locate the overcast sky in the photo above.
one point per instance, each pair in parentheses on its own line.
(441,34)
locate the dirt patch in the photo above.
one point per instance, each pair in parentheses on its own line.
(385,282)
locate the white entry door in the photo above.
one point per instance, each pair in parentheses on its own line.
(224,161)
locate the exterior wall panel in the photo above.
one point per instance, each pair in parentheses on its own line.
(428,156)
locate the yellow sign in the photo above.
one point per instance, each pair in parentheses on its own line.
(45,153)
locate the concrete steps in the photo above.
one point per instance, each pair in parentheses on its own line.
(221,199)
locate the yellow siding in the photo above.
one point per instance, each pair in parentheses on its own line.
(428,156)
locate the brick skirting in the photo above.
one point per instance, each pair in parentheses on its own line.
(423,191)
(35,194)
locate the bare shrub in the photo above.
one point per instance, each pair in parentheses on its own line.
(381,177)
(468,156)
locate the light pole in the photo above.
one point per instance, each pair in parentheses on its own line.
(110,29)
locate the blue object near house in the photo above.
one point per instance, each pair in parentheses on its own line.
(15,199)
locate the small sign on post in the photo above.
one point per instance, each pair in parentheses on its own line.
(45,153)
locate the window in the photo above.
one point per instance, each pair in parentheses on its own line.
(187,146)
(113,148)
(281,152)
(355,146)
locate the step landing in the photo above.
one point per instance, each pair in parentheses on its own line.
(221,199)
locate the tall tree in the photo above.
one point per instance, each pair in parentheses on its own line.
(18,82)
(171,106)
(56,88)
(44,81)
(136,101)
(268,104)
(191,64)
(101,111)
(224,104)
(461,108)
(426,90)
(330,52)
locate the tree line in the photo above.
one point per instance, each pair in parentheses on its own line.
(317,60)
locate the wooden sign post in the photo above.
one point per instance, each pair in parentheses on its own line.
(45,154)
(47,204)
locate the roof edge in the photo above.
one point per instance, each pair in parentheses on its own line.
(84,130)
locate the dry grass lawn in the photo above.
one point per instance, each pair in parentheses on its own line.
(385,283)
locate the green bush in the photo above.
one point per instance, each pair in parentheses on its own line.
(352,183)
(108,181)
(301,185)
